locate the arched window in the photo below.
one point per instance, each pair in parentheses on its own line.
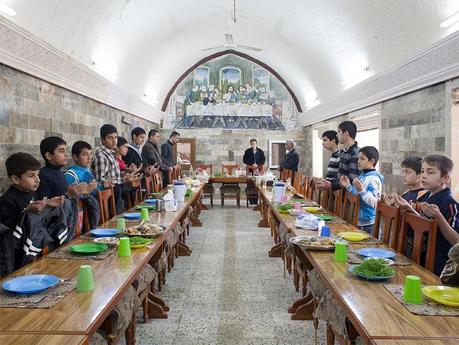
(201,77)
(230,76)
(260,78)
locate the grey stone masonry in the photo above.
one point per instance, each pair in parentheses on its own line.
(32,109)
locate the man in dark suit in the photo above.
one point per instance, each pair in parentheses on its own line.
(292,158)
(152,156)
(167,151)
(254,158)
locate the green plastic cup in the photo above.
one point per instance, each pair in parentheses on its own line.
(124,247)
(144,215)
(121,224)
(412,291)
(340,252)
(85,281)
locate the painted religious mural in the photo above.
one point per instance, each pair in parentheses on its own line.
(234,93)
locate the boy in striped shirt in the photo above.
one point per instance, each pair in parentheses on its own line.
(330,143)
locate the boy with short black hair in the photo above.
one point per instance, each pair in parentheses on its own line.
(79,173)
(348,162)
(440,205)
(368,186)
(411,175)
(134,155)
(104,165)
(52,179)
(32,224)
(330,143)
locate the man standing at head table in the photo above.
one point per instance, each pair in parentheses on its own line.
(292,158)
(254,158)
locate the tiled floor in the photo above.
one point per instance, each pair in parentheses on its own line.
(228,291)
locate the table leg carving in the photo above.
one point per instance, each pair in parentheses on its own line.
(183,249)
(276,251)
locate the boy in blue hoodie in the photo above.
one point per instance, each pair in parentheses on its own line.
(368,186)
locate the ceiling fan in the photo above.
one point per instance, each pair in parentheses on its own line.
(229,41)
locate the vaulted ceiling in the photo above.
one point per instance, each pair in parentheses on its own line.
(315,45)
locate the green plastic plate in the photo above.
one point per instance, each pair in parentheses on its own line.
(88,248)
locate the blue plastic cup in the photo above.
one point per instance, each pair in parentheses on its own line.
(325,231)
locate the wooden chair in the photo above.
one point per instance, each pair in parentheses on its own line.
(208,190)
(338,201)
(134,194)
(84,224)
(148,186)
(230,188)
(350,210)
(324,198)
(229,168)
(297,181)
(107,206)
(421,227)
(310,187)
(157,181)
(286,174)
(390,217)
(175,173)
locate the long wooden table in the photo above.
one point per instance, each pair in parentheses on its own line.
(83,313)
(373,311)
(39,339)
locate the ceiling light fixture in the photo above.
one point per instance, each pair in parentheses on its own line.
(450,20)
(7,10)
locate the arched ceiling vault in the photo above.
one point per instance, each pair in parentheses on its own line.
(316,46)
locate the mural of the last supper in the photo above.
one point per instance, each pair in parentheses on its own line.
(234,93)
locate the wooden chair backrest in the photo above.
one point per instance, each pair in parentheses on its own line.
(421,227)
(229,168)
(148,185)
(389,216)
(84,224)
(338,201)
(297,181)
(206,167)
(157,181)
(310,188)
(351,206)
(107,206)
(324,198)
(176,173)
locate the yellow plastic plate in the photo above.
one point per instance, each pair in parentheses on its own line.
(354,236)
(312,209)
(442,294)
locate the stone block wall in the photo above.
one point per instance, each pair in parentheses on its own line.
(32,109)
(412,124)
(214,145)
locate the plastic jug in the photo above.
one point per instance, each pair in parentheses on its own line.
(279,192)
(179,191)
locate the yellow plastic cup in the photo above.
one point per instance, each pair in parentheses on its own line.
(85,281)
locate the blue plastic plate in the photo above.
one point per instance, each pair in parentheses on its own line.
(377,252)
(134,215)
(104,232)
(150,201)
(351,268)
(30,284)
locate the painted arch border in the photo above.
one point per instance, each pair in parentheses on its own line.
(226,52)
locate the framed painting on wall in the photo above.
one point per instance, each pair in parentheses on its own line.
(277,151)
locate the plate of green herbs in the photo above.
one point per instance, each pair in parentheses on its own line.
(284,208)
(372,269)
